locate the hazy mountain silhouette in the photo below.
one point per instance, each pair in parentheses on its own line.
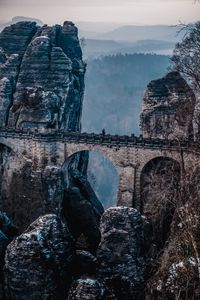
(95,48)
(159,39)
(134,33)
(19,19)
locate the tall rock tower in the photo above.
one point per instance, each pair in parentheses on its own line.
(41,76)
(41,88)
(168,108)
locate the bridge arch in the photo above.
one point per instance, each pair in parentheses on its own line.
(160,172)
(100,171)
(103,150)
(14,146)
(122,158)
(158,190)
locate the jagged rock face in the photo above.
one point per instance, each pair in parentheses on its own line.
(41,86)
(27,192)
(11,35)
(30,193)
(7,228)
(42,76)
(8,77)
(119,252)
(11,53)
(5,99)
(7,232)
(89,289)
(168,107)
(14,178)
(37,262)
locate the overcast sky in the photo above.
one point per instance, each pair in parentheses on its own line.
(122,11)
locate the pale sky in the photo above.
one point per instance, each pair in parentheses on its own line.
(120,11)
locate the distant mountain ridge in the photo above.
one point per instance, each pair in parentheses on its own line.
(128,39)
(114,38)
(96,48)
(19,19)
(135,33)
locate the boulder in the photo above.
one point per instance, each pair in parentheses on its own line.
(7,232)
(119,253)
(37,262)
(89,289)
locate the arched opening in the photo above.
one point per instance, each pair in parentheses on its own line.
(159,186)
(91,183)
(99,171)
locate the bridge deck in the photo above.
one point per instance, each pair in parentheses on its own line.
(97,139)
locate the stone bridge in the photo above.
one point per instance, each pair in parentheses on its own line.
(129,154)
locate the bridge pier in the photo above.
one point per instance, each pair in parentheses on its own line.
(126,186)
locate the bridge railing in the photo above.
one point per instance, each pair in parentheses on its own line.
(94,138)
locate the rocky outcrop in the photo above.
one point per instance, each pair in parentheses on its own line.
(11,54)
(168,108)
(119,253)
(7,231)
(37,262)
(89,289)
(11,35)
(29,193)
(48,82)
(41,87)
(7,228)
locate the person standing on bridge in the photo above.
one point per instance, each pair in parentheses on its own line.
(103,132)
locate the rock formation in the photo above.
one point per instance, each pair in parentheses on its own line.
(168,107)
(81,218)
(119,253)
(42,77)
(37,262)
(41,88)
(89,289)
(7,232)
